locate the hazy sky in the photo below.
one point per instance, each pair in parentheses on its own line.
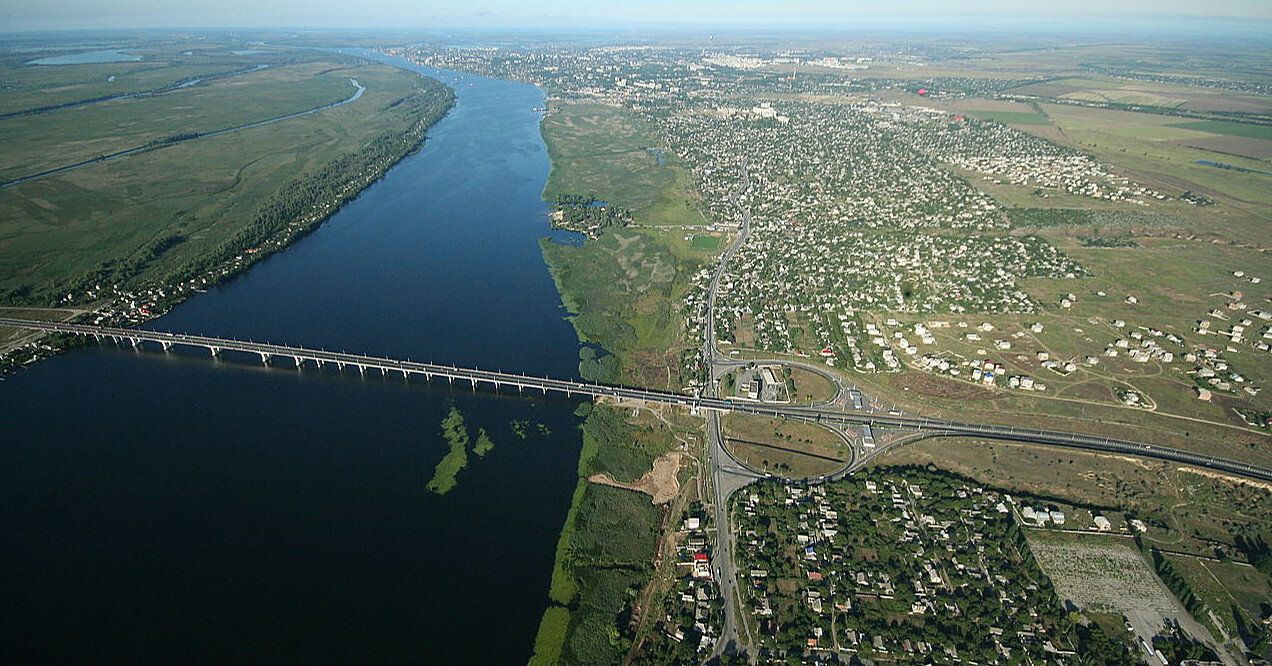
(75,14)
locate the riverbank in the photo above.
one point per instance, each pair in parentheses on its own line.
(179,264)
(606,551)
(206,501)
(623,288)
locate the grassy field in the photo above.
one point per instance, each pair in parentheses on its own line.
(810,386)
(200,192)
(42,141)
(705,243)
(1228,129)
(609,154)
(1152,149)
(1013,117)
(792,448)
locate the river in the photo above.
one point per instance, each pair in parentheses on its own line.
(169,508)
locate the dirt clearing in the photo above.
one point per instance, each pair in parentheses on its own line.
(660,482)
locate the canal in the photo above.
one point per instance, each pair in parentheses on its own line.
(169,508)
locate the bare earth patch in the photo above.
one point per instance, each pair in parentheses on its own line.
(660,482)
(1110,577)
(1227,478)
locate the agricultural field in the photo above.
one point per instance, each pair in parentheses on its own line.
(1157,148)
(169,209)
(1146,93)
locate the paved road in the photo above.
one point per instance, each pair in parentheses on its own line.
(702,404)
(727,475)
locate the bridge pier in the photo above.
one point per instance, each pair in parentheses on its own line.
(264,358)
(214,351)
(166,346)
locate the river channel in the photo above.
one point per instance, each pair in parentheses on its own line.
(171,508)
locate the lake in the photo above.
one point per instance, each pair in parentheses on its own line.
(86,58)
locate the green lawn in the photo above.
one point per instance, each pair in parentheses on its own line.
(705,243)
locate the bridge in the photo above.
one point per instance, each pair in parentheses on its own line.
(497,380)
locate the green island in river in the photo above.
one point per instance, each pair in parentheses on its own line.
(455,432)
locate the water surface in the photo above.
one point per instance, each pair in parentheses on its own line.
(86,58)
(168,508)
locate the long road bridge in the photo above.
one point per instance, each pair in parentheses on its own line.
(521,382)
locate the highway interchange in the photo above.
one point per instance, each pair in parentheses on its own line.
(727,473)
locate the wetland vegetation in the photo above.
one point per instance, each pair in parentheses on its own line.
(139,233)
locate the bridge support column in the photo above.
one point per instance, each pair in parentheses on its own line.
(166,345)
(214,351)
(264,358)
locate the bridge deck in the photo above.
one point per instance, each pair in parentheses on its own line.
(497,379)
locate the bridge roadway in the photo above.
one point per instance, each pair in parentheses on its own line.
(301,355)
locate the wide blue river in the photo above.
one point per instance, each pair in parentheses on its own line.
(169,508)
